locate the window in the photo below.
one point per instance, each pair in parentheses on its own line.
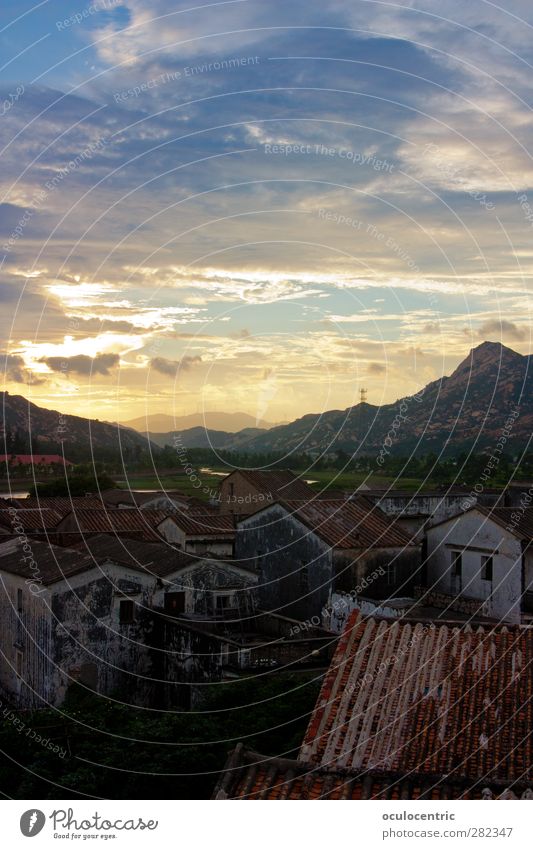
(487,564)
(457,570)
(127,612)
(175,603)
(223,603)
(20,600)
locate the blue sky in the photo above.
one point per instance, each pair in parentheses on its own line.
(260,206)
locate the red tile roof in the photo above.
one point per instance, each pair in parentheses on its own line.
(53,562)
(139,522)
(516,520)
(207,525)
(30,520)
(35,459)
(249,775)
(58,504)
(427,699)
(159,559)
(349,524)
(280,483)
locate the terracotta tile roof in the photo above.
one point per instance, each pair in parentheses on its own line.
(280,483)
(207,525)
(60,505)
(518,521)
(138,522)
(349,524)
(249,775)
(35,459)
(30,520)
(429,699)
(158,559)
(53,562)
(174,500)
(112,497)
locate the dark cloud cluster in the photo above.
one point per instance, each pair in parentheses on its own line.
(171,368)
(82,364)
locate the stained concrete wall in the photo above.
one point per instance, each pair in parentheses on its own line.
(475,535)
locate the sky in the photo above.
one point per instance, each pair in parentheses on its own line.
(260,207)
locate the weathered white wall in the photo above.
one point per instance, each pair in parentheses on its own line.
(31,632)
(202,581)
(474,534)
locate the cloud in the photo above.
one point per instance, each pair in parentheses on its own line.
(502,329)
(171,368)
(15,370)
(82,364)
(376,368)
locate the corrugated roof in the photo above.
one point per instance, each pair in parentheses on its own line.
(349,524)
(432,699)
(249,775)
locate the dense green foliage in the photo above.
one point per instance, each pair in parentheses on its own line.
(83,479)
(120,752)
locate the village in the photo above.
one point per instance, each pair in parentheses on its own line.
(414,608)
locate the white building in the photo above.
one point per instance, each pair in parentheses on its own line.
(484,554)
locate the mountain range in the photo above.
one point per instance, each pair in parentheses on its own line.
(489,393)
(227,422)
(48,428)
(470,407)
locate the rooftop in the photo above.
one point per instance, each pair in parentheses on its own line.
(30,520)
(349,524)
(139,522)
(208,525)
(426,699)
(281,483)
(249,775)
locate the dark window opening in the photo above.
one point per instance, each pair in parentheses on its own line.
(487,567)
(223,603)
(20,600)
(175,603)
(457,570)
(127,612)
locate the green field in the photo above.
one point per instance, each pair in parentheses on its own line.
(328,478)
